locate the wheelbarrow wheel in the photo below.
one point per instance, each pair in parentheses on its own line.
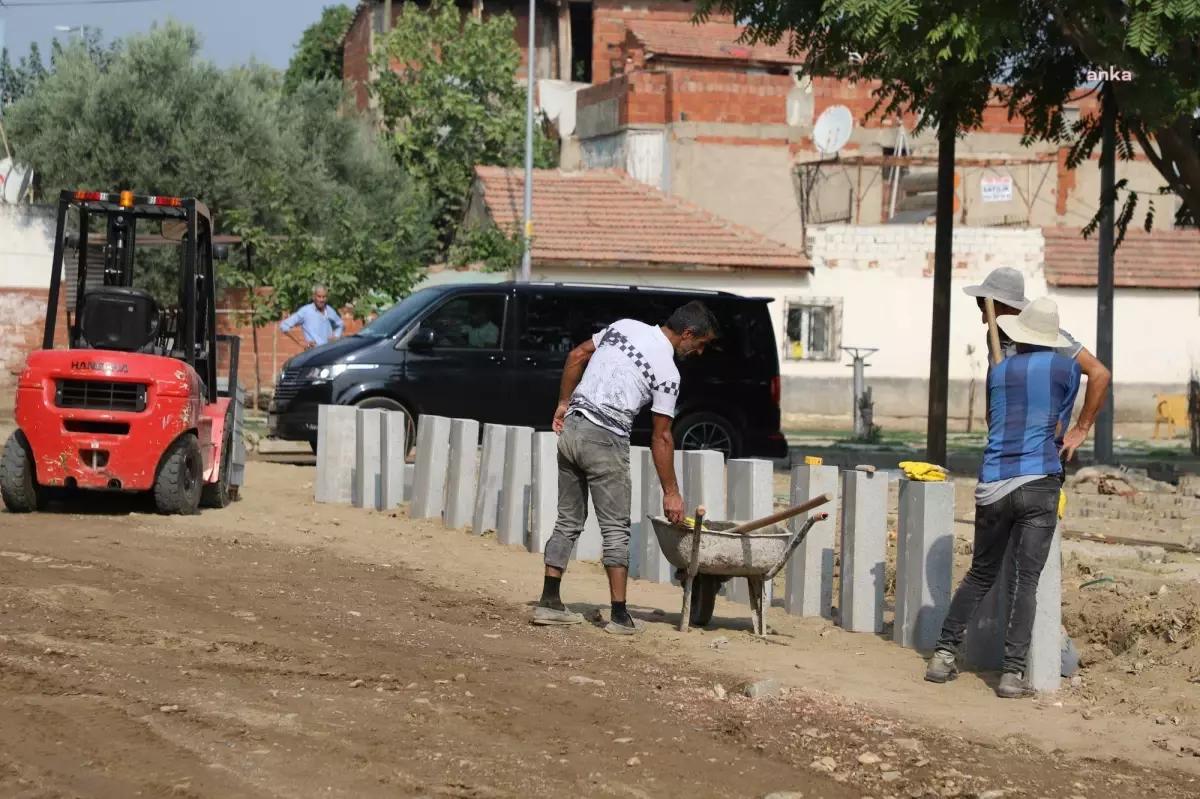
(704,598)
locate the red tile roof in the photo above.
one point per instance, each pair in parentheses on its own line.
(1165,259)
(711,40)
(604,217)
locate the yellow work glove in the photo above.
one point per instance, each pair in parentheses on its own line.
(923,472)
(689,523)
(1062,503)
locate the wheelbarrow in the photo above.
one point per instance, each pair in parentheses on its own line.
(709,554)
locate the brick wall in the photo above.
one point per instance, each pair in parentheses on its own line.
(656,97)
(608,26)
(907,250)
(356,69)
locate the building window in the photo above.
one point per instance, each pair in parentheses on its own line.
(813,329)
(377,18)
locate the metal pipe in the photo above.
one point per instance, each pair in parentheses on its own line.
(1104,272)
(530,72)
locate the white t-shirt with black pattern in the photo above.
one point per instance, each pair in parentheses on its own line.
(634,365)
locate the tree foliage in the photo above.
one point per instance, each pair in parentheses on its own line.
(318,55)
(940,56)
(154,118)
(449,98)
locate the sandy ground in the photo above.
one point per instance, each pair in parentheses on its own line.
(283,649)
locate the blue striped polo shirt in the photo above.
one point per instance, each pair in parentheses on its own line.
(1029,395)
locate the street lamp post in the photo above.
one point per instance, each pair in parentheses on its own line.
(530,50)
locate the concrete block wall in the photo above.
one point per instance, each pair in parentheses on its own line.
(907,250)
(924,537)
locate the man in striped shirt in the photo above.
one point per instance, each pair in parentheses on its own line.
(1030,399)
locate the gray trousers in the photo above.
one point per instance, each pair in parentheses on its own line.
(596,461)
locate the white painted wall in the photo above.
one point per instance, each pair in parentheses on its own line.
(26,247)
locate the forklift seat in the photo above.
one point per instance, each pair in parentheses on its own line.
(119,319)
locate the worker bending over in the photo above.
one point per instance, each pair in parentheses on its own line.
(606,382)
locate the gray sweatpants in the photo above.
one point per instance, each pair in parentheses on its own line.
(591,460)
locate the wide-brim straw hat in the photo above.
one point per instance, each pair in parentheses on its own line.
(1036,325)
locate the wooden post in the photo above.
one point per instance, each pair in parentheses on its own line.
(564,40)
(997,354)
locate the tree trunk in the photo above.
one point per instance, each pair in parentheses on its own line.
(971,405)
(943,253)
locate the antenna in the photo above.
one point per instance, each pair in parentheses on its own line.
(832,130)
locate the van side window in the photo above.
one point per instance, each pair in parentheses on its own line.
(474,322)
(560,322)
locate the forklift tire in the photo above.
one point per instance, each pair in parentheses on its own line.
(18,481)
(180,478)
(704,598)
(218,495)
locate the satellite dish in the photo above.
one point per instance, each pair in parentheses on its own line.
(14,181)
(832,130)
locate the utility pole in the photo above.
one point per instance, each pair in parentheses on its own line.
(943,257)
(1104,271)
(530,53)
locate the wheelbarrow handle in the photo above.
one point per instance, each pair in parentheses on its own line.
(797,537)
(693,569)
(783,515)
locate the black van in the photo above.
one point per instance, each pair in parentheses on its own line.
(495,352)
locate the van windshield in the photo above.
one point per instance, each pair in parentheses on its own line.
(396,318)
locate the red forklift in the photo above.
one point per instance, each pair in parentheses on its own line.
(134,402)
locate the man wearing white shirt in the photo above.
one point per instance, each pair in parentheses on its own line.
(629,365)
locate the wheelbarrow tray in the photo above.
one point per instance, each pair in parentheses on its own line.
(722,554)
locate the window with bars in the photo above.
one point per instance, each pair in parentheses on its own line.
(813,329)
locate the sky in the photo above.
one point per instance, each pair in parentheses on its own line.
(234,31)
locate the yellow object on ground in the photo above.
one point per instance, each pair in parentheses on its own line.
(924,472)
(1062,502)
(811,460)
(1171,410)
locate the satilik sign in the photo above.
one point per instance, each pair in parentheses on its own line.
(996,189)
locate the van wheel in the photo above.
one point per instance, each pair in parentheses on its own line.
(707,431)
(389,404)
(180,478)
(218,495)
(18,480)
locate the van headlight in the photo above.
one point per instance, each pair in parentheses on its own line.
(325,372)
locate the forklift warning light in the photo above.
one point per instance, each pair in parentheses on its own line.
(126,199)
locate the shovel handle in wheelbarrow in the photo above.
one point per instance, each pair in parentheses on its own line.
(797,537)
(783,515)
(692,570)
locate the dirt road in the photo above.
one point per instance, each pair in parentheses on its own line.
(282,649)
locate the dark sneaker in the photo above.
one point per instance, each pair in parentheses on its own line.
(942,667)
(621,629)
(549,616)
(1013,686)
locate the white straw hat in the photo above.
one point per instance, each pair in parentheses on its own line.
(1036,325)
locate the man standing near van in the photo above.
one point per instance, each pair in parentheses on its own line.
(317,320)
(1030,397)
(606,382)
(1006,288)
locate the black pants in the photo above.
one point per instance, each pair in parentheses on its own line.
(1026,517)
